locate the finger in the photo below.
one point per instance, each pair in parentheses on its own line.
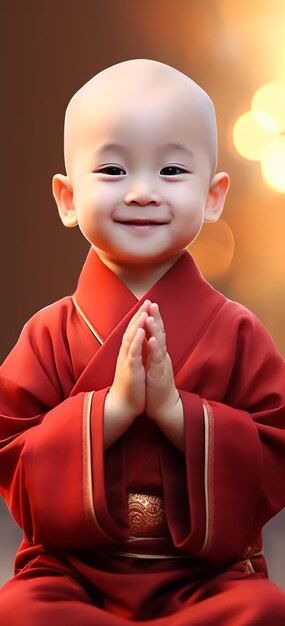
(154,350)
(135,350)
(155,331)
(131,330)
(155,313)
(156,361)
(144,307)
(133,322)
(129,335)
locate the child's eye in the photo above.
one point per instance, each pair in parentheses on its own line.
(172,170)
(112,170)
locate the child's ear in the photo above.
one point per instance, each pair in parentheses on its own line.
(216,197)
(63,195)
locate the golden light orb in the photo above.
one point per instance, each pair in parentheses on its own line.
(273,164)
(271,99)
(253,132)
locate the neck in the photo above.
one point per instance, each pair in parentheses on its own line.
(138,278)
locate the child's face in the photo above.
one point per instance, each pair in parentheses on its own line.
(140,176)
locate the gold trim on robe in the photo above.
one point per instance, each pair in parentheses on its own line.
(86,320)
(133,555)
(208,472)
(87,464)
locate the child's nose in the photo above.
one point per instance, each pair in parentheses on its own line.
(142,192)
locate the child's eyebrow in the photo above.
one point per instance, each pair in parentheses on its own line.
(176,146)
(104,147)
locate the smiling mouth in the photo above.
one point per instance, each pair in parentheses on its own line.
(141,223)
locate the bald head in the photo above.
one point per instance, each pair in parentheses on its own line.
(132,84)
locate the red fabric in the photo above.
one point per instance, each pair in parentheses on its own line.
(71,499)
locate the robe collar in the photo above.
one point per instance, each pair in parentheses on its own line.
(102,296)
(186,301)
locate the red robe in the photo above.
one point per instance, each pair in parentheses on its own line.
(70,497)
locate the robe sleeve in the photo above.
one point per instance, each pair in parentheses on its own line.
(234,451)
(45,449)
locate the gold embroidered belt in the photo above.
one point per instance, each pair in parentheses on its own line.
(146,515)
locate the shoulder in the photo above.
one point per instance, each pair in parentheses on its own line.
(247,327)
(229,312)
(42,338)
(236,323)
(49,324)
(239,313)
(52,312)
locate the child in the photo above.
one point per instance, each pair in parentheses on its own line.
(143,418)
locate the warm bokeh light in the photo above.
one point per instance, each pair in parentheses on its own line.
(273,164)
(259,134)
(213,250)
(271,99)
(252,134)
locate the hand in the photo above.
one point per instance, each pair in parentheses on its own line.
(126,397)
(163,402)
(161,393)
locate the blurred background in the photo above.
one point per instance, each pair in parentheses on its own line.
(49,48)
